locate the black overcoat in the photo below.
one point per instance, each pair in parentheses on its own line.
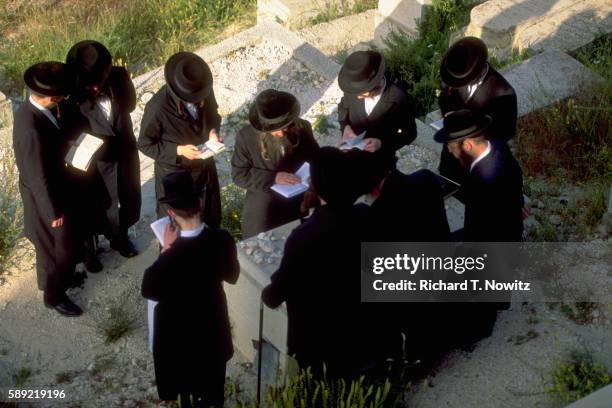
(112,186)
(494,97)
(40,148)
(263,208)
(192,328)
(392,120)
(319,280)
(494,199)
(166,124)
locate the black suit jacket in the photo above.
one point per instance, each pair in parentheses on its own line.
(40,148)
(263,208)
(494,199)
(112,186)
(392,120)
(494,97)
(191,319)
(166,124)
(319,280)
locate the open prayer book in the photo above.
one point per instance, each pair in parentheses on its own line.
(291,190)
(357,142)
(438,124)
(158,228)
(210,148)
(81,153)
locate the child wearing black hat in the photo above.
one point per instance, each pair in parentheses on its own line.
(191,337)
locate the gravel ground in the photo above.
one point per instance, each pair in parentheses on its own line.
(50,351)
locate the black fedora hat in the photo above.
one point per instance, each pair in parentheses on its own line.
(188,76)
(90,61)
(332,174)
(464,62)
(462,124)
(48,78)
(361,72)
(273,110)
(180,191)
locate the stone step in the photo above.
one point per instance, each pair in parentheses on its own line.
(538,24)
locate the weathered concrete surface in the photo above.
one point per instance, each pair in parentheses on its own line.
(342,34)
(563,25)
(544,79)
(398,15)
(601,398)
(293,14)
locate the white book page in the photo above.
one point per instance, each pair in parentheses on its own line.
(357,142)
(291,190)
(81,153)
(438,124)
(158,228)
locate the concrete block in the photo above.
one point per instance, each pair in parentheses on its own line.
(293,14)
(398,15)
(599,399)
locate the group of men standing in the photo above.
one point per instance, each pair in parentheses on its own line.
(326,322)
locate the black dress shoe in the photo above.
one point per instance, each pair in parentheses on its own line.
(124,247)
(67,308)
(93,264)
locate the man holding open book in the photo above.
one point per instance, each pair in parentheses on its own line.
(269,161)
(180,128)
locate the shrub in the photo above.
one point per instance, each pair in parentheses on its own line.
(332,10)
(577,377)
(118,322)
(232,201)
(414,62)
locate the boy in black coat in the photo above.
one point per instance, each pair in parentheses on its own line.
(40,148)
(192,340)
(372,104)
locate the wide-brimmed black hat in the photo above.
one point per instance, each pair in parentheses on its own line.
(180,191)
(188,76)
(273,110)
(333,177)
(464,62)
(361,72)
(90,61)
(462,124)
(48,78)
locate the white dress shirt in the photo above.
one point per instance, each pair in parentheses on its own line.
(44,110)
(192,233)
(192,109)
(105,106)
(370,103)
(481,156)
(472,88)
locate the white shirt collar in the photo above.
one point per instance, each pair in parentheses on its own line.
(481,156)
(193,232)
(45,111)
(192,109)
(370,103)
(472,88)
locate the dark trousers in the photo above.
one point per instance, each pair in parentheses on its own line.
(207,390)
(55,265)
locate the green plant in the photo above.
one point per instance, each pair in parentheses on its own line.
(307,391)
(414,62)
(21,376)
(232,201)
(11,208)
(322,124)
(139,34)
(118,322)
(576,377)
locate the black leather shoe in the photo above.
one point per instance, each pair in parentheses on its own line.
(124,247)
(67,308)
(93,264)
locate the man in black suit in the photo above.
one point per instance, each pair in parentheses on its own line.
(372,104)
(181,116)
(469,82)
(192,341)
(319,276)
(493,193)
(103,99)
(268,152)
(40,148)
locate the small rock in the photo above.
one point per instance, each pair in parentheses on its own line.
(249,251)
(563,200)
(91,367)
(146,97)
(284,78)
(261,235)
(555,219)
(266,246)
(251,244)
